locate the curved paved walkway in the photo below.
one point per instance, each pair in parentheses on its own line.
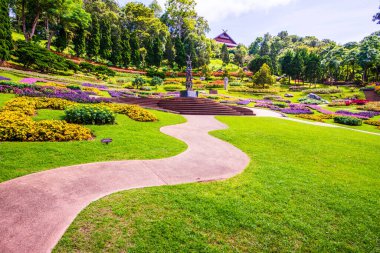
(273,114)
(35,210)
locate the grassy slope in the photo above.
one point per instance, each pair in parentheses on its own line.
(308,188)
(132,140)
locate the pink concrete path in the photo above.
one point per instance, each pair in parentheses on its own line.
(35,210)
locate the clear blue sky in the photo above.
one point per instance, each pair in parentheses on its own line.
(340,20)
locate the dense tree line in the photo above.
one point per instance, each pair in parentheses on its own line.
(310,59)
(101,30)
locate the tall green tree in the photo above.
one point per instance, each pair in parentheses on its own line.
(158,49)
(135,50)
(126,50)
(184,22)
(5,32)
(180,58)
(240,54)
(263,76)
(276,47)
(140,19)
(286,63)
(94,39)
(116,57)
(105,39)
(225,54)
(258,62)
(170,52)
(265,45)
(369,54)
(61,40)
(313,68)
(79,42)
(65,17)
(254,48)
(298,66)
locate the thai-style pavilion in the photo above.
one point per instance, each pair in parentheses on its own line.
(226,39)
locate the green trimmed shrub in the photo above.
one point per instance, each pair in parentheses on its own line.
(89,115)
(280,104)
(138,82)
(156,81)
(32,55)
(104,70)
(73,87)
(86,67)
(350,121)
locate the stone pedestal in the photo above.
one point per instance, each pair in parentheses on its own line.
(189,94)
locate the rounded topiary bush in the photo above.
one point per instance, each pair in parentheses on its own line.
(350,121)
(89,115)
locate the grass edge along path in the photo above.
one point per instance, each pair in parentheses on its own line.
(308,188)
(131,141)
(47,202)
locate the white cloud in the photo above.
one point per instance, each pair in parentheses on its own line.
(217,10)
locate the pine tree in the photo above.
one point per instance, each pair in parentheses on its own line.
(105,39)
(157,48)
(180,58)
(126,49)
(116,57)
(170,52)
(149,52)
(286,64)
(79,42)
(225,54)
(94,38)
(5,32)
(297,66)
(312,68)
(135,50)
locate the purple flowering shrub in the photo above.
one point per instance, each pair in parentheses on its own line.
(2,78)
(98,86)
(361,115)
(296,111)
(51,92)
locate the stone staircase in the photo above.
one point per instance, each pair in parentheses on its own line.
(201,106)
(188,106)
(143,102)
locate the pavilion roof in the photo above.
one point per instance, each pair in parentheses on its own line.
(225,39)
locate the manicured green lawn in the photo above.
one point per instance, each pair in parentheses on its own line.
(307,189)
(131,140)
(5,98)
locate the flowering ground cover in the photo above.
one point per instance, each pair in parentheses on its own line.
(98,86)
(362,115)
(312,199)
(31,80)
(50,91)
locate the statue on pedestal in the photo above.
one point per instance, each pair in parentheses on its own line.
(189,74)
(189,92)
